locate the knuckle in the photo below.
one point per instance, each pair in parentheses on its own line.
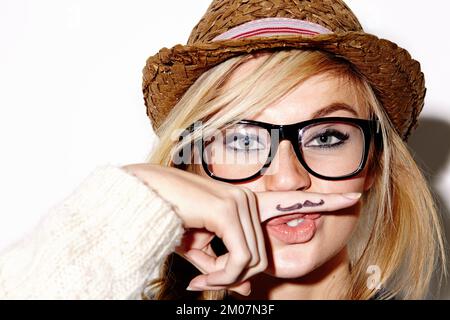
(229,206)
(245,257)
(216,202)
(255,261)
(223,204)
(263,265)
(247,191)
(250,197)
(250,194)
(238,193)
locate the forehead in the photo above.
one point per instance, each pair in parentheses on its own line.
(312,95)
(307,98)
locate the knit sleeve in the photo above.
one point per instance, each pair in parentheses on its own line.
(103,241)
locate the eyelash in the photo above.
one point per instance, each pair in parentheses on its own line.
(237,137)
(330,132)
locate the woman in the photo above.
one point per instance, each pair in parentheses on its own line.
(286,131)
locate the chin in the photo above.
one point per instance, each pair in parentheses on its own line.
(293,261)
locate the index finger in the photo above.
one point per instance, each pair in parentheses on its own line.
(277,203)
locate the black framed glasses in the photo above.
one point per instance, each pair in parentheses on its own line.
(330,148)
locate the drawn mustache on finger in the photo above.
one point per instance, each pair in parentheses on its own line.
(298,205)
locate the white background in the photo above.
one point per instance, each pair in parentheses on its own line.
(70,90)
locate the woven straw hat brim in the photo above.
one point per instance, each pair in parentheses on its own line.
(395,77)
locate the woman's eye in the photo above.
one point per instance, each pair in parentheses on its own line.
(327,139)
(243,143)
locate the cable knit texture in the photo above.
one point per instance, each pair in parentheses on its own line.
(104,241)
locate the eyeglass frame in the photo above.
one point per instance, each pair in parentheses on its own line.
(292,132)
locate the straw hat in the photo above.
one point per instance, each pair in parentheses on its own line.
(233,27)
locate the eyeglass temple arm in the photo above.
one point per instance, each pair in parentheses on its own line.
(378,136)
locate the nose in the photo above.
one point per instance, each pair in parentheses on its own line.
(286,173)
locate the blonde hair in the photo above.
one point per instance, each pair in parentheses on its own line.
(399,230)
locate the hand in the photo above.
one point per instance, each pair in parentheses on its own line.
(209,207)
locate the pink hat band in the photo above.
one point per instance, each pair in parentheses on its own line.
(273,27)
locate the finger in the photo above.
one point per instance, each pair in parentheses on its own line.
(243,288)
(208,263)
(194,239)
(236,244)
(205,262)
(274,204)
(259,234)
(259,251)
(247,223)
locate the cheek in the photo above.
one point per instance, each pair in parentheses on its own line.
(355,184)
(337,229)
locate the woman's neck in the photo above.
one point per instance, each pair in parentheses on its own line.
(329,281)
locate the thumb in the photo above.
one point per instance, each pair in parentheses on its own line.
(244,288)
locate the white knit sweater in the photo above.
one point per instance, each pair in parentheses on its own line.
(104,241)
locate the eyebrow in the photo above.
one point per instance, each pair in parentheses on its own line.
(336,106)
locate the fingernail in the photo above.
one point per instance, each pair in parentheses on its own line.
(352,195)
(190,288)
(196,284)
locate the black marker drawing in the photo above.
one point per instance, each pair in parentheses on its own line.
(296,206)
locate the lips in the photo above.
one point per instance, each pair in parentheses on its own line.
(303,232)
